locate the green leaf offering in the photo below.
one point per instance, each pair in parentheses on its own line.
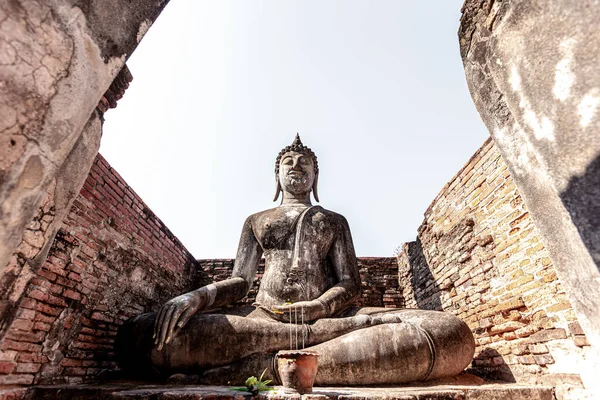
(255,386)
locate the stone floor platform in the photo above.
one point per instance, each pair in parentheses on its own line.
(130,391)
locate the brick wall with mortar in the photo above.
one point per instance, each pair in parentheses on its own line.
(111,259)
(479,256)
(379,277)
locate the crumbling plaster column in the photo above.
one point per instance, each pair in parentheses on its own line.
(57,59)
(39,235)
(532,70)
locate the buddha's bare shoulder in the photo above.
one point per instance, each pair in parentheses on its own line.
(332,217)
(264,213)
(335,220)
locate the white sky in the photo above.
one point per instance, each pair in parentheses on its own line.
(375,88)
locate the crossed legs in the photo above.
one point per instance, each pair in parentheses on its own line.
(372,346)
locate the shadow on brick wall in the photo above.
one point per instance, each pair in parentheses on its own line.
(426,289)
(490,364)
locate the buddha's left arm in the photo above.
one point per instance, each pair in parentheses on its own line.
(343,258)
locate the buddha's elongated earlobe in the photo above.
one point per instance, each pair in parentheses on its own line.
(277,189)
(314,188)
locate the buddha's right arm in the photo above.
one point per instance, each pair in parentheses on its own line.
(246,262)
(176,312)
(247,258)
(222,293)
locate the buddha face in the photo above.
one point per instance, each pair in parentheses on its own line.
(296,173)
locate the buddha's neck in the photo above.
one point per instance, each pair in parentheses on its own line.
(291,199)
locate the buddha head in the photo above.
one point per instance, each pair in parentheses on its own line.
(296,170)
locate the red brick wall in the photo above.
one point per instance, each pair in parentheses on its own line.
(379,277)
(478,255)
(111,260)
(380,288)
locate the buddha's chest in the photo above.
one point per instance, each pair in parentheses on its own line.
(296,248)
(277,229)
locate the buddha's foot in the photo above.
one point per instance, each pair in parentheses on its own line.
(372,320)
(385,319)
(331,328)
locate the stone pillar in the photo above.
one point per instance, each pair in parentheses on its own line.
(532,70)
(57,58)
(40,232)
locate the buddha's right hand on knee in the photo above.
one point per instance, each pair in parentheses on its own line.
(175,314)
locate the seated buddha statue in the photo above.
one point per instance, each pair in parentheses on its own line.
(307,294)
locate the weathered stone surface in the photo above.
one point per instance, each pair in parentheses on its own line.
(56,60)
(59,58)
(39,236)
(409,392)
(532,71)
(506,392)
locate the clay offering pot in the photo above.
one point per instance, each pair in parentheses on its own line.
(297,370)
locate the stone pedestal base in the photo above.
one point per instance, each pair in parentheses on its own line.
(162,392)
